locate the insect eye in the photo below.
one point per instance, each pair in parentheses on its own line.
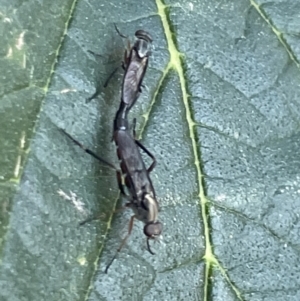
(143,35)
(153,230)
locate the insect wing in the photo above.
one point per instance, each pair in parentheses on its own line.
(133,79)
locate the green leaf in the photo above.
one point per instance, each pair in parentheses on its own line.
(220,112)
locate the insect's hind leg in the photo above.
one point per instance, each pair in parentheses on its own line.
(88,151)
(140,145)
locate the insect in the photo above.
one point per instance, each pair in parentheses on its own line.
(142,197)
(135,64)
(136,176)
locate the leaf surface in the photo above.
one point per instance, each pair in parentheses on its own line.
(220,112)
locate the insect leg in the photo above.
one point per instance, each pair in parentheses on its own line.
(96,217)
(95,54)
(88,220)
(148,246)
(110,76)
(119,33)
(120,184)
(122,243)
(140,88)
(153,164)
(93,96)
(133,128)
(140,145)
(89,151)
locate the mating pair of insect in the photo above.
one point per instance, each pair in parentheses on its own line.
(135,174)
